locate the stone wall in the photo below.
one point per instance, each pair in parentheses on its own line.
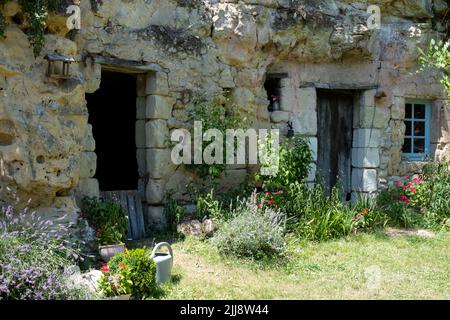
(47,149)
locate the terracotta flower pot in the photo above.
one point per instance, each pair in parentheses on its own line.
(107,252)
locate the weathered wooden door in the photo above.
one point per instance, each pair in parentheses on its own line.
(335,135)
(131,202)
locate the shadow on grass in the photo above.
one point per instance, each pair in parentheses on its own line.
(163,290)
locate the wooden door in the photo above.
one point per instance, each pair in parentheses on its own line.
(131,202)
(335,135)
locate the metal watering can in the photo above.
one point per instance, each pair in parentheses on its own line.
(164,262)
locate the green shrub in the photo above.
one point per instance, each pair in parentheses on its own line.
(295,159)
(108,218)
(210,206)
(436,191)
(131,272)
(315,215)
(251,233)
(399,212)
(420,201)
(367,215)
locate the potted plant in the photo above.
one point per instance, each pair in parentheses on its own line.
(131,274)
(275,99)
(111,225)
(110,242)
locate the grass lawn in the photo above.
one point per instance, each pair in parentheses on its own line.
(364,266)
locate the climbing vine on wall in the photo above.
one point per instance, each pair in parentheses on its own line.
(35,13)
(215,111)
(438,57)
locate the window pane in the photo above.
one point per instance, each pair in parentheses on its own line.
(408,111)
(419,128)
(408,128)
(419,111)
(407,146)
(419,145)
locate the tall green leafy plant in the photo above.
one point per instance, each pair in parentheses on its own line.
(108,218)
(215,111)
(295,159)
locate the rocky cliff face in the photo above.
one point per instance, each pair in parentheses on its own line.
(46,144)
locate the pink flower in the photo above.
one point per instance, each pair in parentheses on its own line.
(353,219)
(403,198)
(398,184)
(413,189)
(105,268)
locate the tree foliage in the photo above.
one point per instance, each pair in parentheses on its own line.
(438,57)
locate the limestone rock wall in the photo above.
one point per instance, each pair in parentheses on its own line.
(46,146)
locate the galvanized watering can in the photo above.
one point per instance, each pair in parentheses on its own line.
(164,262)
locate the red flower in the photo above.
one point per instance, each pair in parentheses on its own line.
(365,211)
(105,268)
(413,189)
(267,194)
(258,205)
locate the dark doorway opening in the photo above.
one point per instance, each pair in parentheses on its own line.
(335,137)
(112,113)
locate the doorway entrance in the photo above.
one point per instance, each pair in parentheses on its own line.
(335,136)
(112,114)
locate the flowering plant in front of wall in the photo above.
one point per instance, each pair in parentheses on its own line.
(407,192)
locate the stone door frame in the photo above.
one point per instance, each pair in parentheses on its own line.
(153,110)
(366,146)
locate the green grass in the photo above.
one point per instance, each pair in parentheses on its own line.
(410,267)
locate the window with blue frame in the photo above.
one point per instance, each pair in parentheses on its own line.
(417,144)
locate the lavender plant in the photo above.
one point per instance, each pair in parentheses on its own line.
(35,257)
